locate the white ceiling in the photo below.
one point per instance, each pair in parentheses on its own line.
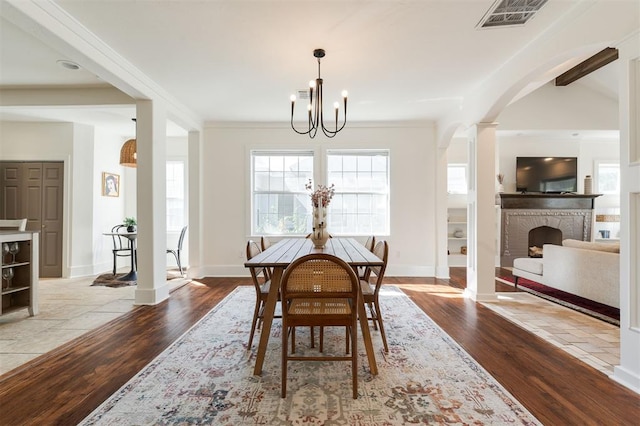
(239,61)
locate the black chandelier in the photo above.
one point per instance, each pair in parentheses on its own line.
(316,116)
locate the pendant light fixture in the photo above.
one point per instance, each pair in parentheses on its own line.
(129,152)
(315,110)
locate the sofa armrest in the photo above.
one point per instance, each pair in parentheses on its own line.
(591,274)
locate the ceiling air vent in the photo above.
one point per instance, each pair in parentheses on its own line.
(508,13)
(302,93)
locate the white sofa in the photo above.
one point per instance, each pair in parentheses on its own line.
(586,269)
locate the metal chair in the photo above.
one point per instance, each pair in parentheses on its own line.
(176,252)
(371,290)
(319,289)
(122,246)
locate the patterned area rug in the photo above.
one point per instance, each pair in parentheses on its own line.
(206,377)
(603,312)
(110,280)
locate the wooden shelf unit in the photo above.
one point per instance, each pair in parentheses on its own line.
(23,293)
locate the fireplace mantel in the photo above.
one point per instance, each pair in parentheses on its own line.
(547,201)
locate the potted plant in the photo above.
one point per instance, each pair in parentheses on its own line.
(131,224)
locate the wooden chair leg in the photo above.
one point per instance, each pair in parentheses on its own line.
(379,321)
(373,315)
(354,360)
(293,340)
(346,339)
(253,323)
(283,384)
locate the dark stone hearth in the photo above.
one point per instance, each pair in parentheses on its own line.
(522,213)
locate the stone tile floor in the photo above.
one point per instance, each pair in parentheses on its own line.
(68,308)
(591,340)
(71,307)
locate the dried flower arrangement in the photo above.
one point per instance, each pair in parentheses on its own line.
(500,178)
(323,194)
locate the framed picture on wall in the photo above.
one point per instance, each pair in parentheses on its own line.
(110,184)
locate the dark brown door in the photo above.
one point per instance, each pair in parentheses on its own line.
(34,190)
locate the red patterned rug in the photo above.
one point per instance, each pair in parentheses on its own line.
(586,306)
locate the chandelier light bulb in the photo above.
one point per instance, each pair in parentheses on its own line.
(293,98)
(312,83)
(345,93)
(336,105)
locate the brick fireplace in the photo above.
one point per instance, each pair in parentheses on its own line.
(531,220)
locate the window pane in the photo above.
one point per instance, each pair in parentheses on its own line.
(280,204)
(608,178)
(457,179)
(175,195)
(360,205)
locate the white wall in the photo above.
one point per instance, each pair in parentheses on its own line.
(108,211)
(573,107)
(177,149)
(413,175)
(82,194)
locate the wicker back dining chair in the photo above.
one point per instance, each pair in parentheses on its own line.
(319,289)
(371,284)
(262,283)
(122,246)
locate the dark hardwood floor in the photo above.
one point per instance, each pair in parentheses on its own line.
(65,385)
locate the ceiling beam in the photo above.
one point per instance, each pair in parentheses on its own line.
(587,66)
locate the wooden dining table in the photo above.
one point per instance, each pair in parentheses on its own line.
(280,255)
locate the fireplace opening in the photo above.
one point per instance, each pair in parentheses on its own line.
(543,235)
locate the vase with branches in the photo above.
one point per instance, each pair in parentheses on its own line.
(320,199)
(500,178)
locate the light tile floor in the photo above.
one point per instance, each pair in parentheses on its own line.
(591,340)
(71,307)
(68,308)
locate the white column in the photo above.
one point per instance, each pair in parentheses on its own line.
(152,209)
(442,260)
(628,372)
(481,247)
(195,204)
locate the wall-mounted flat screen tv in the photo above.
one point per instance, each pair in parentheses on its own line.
(553,175)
